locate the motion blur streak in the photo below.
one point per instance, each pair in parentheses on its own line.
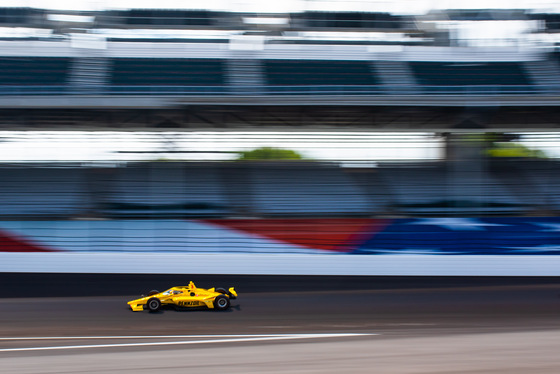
(378,179)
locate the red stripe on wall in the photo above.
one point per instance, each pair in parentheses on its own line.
(10,243)
(335,234)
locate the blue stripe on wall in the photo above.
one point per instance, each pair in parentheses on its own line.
(474,236)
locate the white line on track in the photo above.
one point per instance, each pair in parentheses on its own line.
(223,339)
(145,336)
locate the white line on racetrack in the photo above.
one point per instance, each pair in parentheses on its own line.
(153,336)
(224,339)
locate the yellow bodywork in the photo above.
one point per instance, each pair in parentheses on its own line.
(183,296)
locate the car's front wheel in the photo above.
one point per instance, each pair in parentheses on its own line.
(154,304)
(221,302)
(225,292)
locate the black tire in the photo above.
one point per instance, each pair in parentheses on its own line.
(153,292)
(226,292)
(221,302)
(153,304)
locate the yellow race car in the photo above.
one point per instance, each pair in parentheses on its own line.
(185,297)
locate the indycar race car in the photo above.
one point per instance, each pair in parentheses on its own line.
(185,297)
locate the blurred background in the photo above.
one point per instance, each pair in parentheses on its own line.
(301,127)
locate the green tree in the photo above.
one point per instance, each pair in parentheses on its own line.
(514,150)
(506,145)
(269,153)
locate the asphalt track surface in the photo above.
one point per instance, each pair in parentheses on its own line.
(472,328)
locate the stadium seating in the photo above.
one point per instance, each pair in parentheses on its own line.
(485,14)
(14,16)
(438,190)
(164,190)
(551,21)
(19,72)
(535,182)
(145,75)
(281,76)
(464,77)
(556,56)
(164,17)
(306,189)
(346,20)
(156,18)
(43,192)
(277,189)
(327,76)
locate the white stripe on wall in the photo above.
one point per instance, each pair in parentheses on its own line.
(280,264)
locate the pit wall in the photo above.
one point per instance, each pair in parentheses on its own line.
(513,246)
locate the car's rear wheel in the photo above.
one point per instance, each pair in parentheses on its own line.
(154,304)
(221,302)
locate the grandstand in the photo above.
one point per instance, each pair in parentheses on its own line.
(162,190)
(278,189)
(212,84)
(34,71)
(493,76)
(149,74)
(43,192)
(306,189)
(202,69)
(437,190)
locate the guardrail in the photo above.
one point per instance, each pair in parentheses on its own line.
(383,90)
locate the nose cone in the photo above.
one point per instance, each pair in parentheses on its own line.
(136,301)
